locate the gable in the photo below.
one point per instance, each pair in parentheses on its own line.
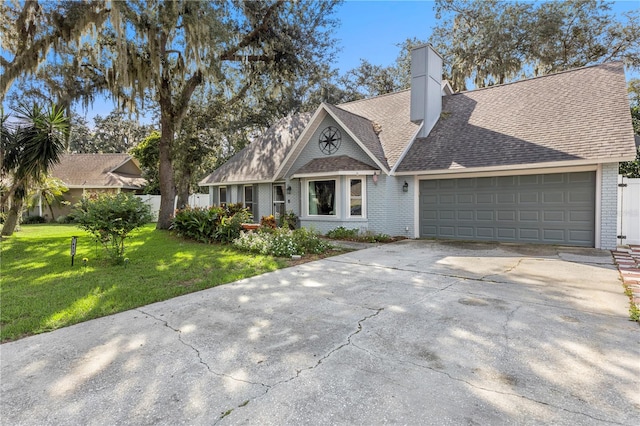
(311,149)
(98,171)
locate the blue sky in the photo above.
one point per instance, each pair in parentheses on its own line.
(371,30)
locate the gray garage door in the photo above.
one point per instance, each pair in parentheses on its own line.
(549,208)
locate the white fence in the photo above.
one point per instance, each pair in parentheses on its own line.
(629,210)
(153,201)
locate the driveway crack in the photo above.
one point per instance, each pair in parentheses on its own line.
(300,371)
(197,352)
(517,395)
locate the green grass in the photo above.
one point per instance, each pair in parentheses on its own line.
(40,291)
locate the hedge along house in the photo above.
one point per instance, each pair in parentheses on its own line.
(535,161)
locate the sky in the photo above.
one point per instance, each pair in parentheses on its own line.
(372,30)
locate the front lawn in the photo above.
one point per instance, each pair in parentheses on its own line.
(40,291)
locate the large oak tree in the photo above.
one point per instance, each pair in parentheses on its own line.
(164,50)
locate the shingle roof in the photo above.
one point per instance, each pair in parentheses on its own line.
(260,160)
(362,129)
(581,114)
(99,171)
(338,163)
(390,113)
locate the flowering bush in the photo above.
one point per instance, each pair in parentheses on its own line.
(282,242)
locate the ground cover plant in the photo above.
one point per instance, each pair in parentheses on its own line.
(42,292)
(342,233)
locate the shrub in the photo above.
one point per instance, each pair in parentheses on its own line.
(256,242)
(309,241)
(282,242)
(268,222)
(342,233)
(289,220)
(110,218)
(65,219)
(33,219)
(198,224)
(212,224)
(231,226)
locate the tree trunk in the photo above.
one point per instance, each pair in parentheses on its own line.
(165,169)
(11,221)
(183,189)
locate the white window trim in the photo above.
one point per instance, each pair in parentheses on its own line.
(273,197)
(363,197)
(337,201)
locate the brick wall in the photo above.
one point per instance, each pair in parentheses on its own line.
(609,206)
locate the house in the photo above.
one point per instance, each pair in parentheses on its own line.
(534,161)
(90,173)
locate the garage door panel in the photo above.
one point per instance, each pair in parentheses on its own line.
(507,233)
(552,197)
(528,198)
(465,215)
(529,215)
(553,216)
(529,234)
(507,215)
(553,208)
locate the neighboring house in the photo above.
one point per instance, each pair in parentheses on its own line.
(531,161)
(92,173)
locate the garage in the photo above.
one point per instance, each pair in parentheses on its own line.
(556,208)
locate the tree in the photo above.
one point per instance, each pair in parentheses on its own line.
(31,30)
(166,49)
(170,48)
(50,190)
(631,169)
(493,42)
(148,154)
(116,133)
(29,151)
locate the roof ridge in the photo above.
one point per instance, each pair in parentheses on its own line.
(538,77)
(374,97)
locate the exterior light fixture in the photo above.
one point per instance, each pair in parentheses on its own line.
(405,187)
(289,189)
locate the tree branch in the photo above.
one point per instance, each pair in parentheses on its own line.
(231,54)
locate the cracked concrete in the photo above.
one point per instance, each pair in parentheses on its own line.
(416,332)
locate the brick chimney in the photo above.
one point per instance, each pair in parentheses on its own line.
(426,91)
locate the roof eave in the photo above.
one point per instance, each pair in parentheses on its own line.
(514,167)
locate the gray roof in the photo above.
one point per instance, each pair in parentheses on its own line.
(260,160)
(390,113)
(578,115)
(99,171)
(338,163)
(362,129)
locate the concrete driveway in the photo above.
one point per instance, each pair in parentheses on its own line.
(416,332)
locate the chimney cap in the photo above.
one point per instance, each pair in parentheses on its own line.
(430,46)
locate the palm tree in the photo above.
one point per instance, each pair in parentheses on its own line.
(29,150)
(49,190)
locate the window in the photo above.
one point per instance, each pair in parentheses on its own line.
(322,198)
(278,200)
(248,197)
(222,196)
(356,198)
